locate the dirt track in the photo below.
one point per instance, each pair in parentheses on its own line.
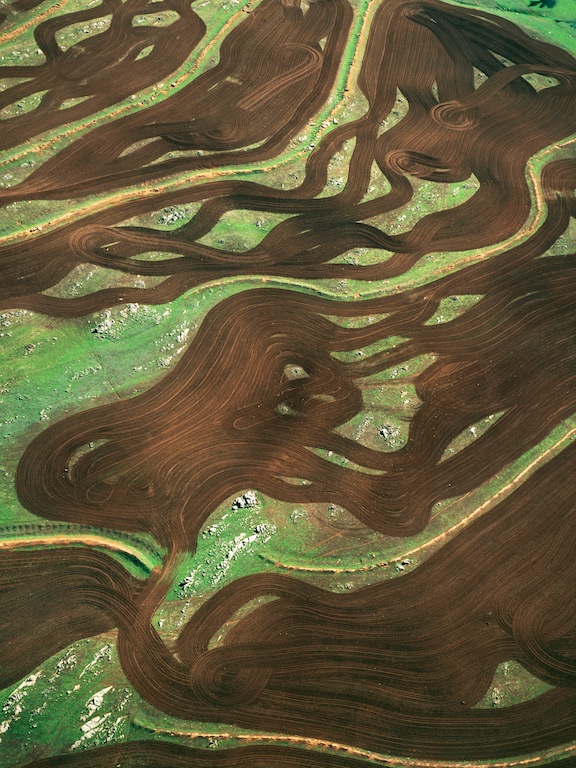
(394,668)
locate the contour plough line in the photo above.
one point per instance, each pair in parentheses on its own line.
(392,157)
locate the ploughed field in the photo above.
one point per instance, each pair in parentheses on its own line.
(288,383)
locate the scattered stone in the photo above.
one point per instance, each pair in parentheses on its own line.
(248,500)
(390,434)
(298,514)
(170,216)
(104,325)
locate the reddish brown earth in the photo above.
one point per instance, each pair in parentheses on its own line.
(102,69)
(490,132)
(394,668)
(393,652)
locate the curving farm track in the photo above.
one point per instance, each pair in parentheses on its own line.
(263,390)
